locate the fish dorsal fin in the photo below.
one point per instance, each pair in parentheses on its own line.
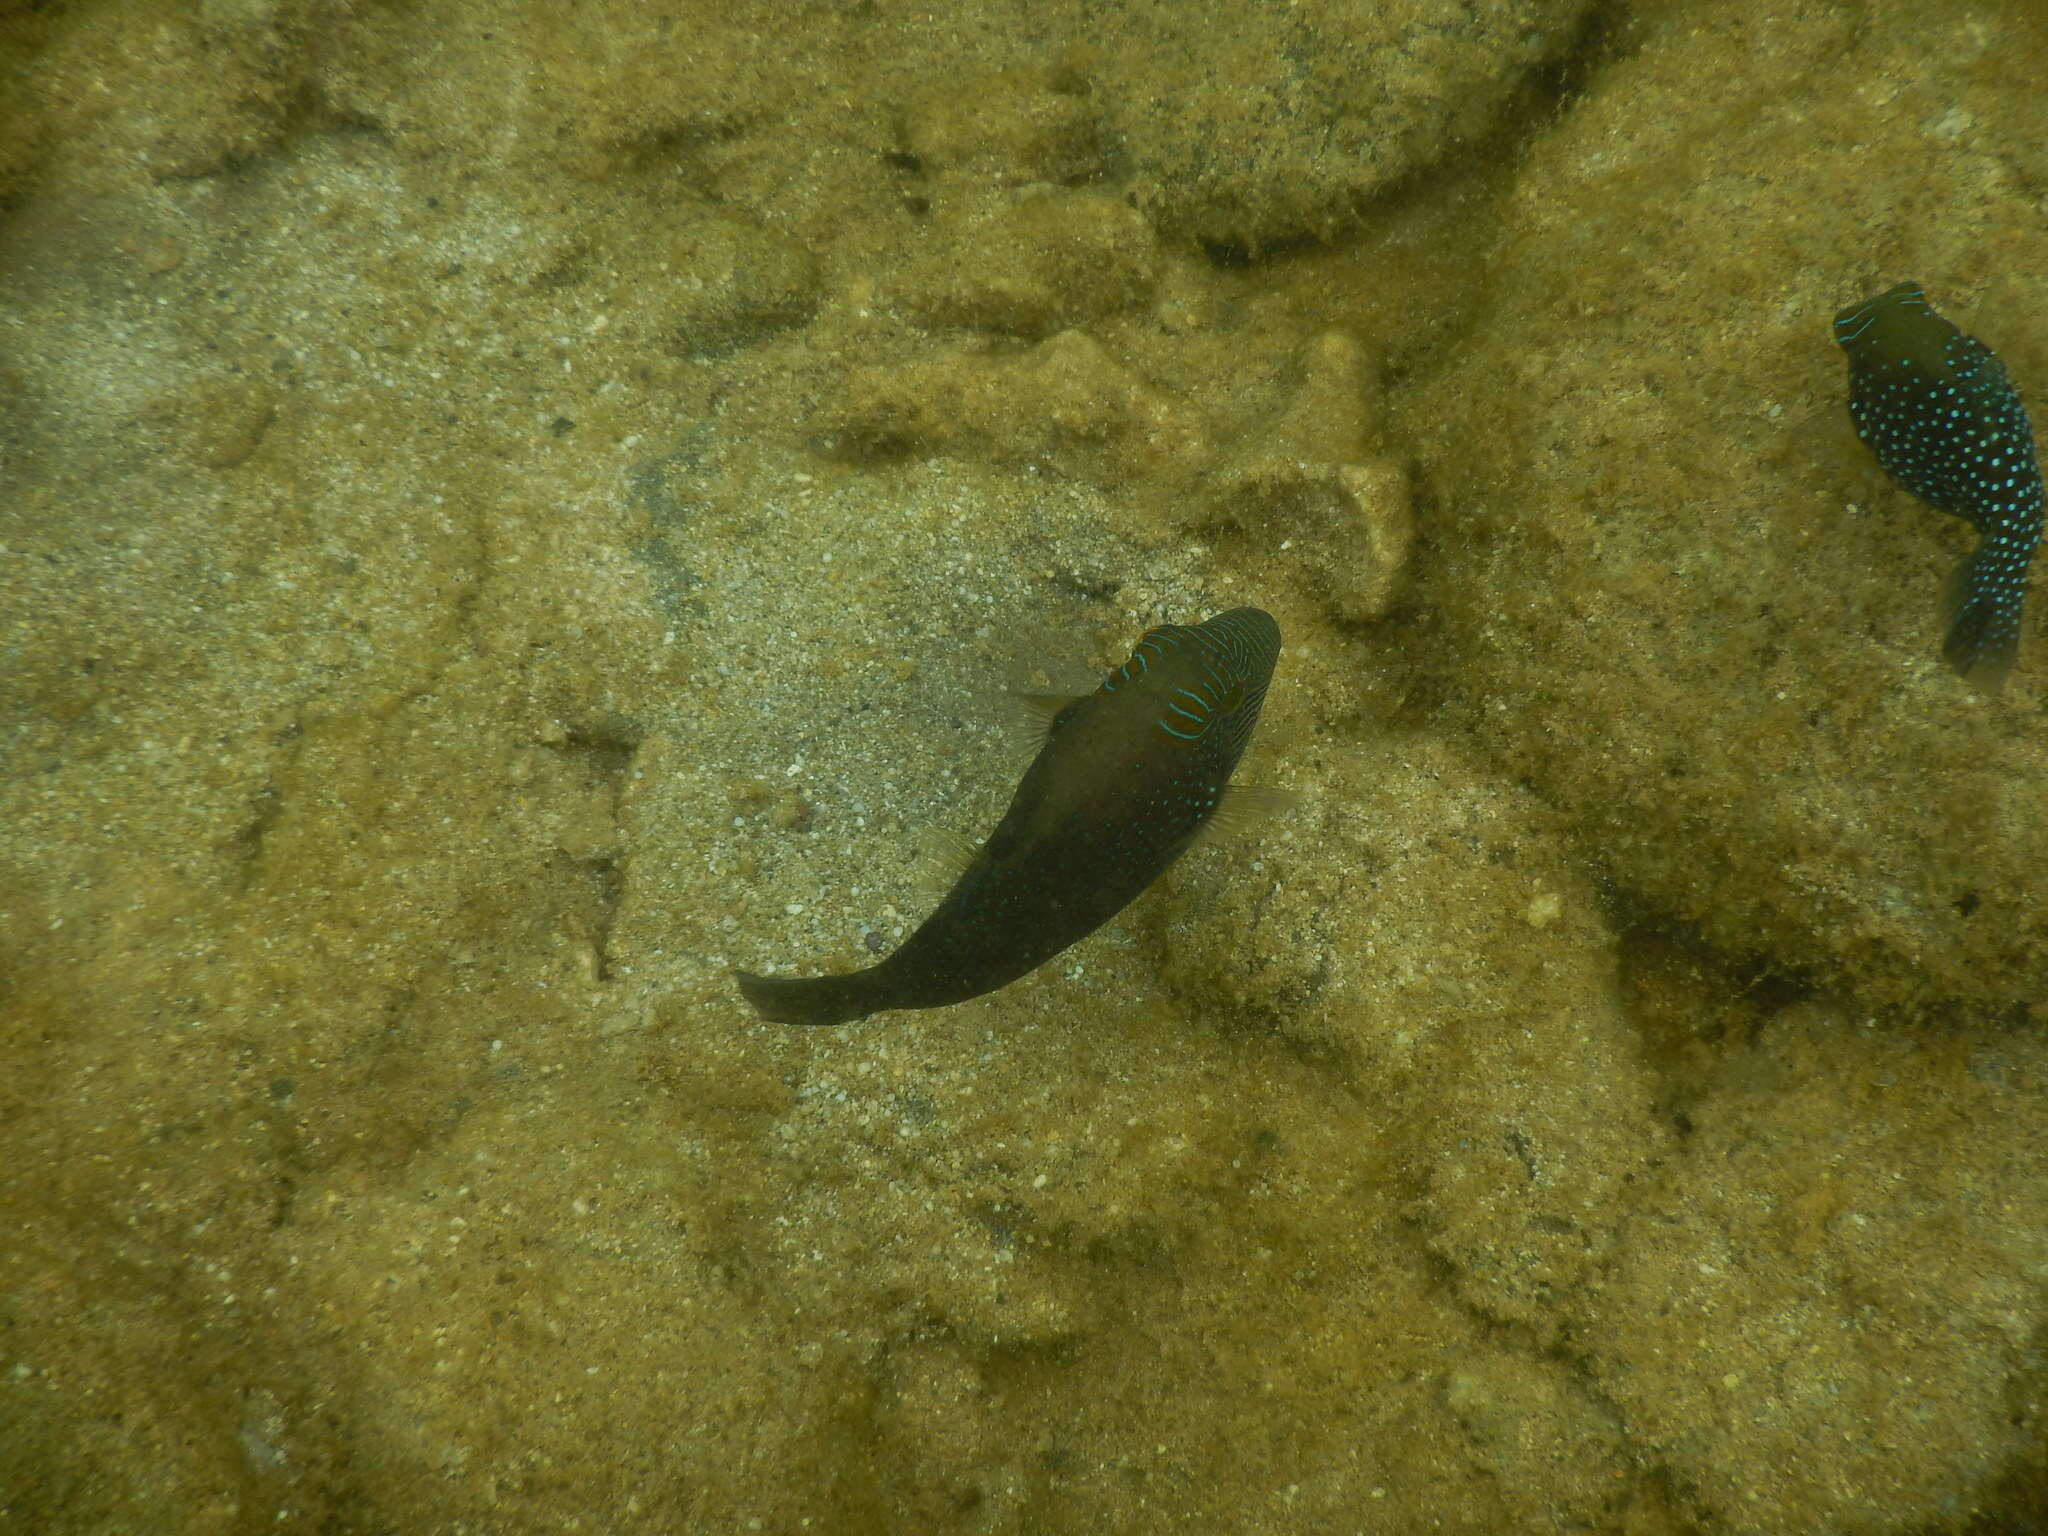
(1245,808)
(942,858)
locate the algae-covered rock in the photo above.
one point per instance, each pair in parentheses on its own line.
(1421,931)
(1020,124)
(1033,264)
(1069,403)
(1260,126)
(1311,491)
(1826,1313)
(1680,596)
(735,282)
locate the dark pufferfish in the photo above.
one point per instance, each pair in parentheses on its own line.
(1127,777)
(1936,409)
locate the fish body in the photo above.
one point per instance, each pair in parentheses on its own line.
(1127,777)
(1937,411)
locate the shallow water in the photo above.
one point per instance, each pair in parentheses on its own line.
(505,518)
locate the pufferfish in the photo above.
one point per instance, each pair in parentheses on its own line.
(1127,777)
(1936,410)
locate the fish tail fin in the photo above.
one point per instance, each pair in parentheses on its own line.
(814,1000)
(1982,609)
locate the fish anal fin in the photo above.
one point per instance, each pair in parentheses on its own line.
(1245,808)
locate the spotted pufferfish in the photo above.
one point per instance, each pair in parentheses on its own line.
(1935,408)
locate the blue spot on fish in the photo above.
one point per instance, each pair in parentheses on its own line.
(1936,410)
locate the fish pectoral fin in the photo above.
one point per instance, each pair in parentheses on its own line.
(1032,715)
(1245,808)
(942,858)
